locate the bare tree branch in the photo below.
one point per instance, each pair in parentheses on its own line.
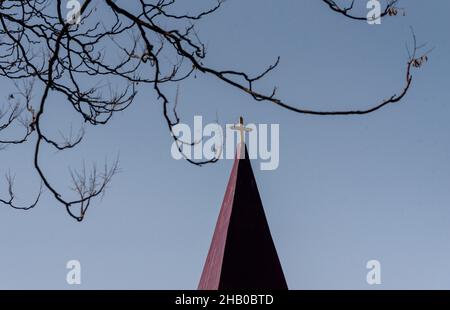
(390,10)
(10,201)
(98,64)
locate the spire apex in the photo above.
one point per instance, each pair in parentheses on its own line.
(242,254)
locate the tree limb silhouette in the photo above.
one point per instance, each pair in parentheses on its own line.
(147,45)
(390,10)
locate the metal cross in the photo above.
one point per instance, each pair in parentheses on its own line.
(241,128)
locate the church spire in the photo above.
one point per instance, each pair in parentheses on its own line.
(242,254)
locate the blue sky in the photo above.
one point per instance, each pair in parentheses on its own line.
(347,190)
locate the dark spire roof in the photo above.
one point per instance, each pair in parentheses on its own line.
(242,254)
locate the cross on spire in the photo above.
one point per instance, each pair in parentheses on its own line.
(242,129)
